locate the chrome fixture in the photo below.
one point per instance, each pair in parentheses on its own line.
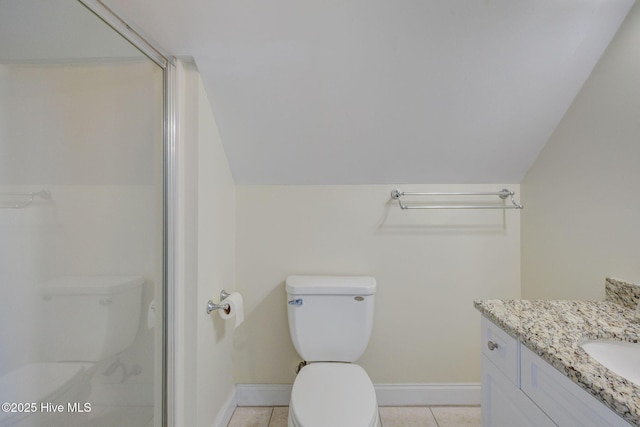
(213,306)
(503,194)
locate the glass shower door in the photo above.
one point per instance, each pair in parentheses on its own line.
(81,221)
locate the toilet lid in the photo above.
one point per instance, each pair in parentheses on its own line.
(37,382)
(333,395)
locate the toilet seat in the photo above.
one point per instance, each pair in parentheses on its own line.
(329,394)
(38,382)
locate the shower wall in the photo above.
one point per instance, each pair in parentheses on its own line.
(91,134)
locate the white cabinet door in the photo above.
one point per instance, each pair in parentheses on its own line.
(504,404)
(561,398)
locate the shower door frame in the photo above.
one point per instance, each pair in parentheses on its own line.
(169,265)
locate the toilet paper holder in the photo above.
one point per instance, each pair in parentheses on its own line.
(213,306)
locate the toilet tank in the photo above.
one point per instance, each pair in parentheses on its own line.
(330,317)
(88,318)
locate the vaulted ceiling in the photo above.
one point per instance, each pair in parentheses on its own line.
(381,91)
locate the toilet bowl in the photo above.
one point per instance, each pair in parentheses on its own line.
(333,394)
(85,319)
(330,321)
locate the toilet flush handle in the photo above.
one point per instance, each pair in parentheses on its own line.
(297,301)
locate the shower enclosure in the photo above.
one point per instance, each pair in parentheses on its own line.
(84,137)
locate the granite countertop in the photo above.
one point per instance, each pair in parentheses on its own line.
(555,329)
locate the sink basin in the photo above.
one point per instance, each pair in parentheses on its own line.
(621,357)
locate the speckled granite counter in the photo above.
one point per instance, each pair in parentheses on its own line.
(555,329)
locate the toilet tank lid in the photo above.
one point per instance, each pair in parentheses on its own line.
(331,285)
(89,285)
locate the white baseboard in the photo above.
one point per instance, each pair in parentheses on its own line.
(263,394)
(432,394)
(387,394)
(225,414)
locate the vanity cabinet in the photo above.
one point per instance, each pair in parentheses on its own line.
(519,388)
(503,402)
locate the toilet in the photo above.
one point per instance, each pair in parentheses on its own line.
(83,320)
(330,321)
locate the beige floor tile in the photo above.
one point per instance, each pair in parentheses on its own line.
(407,416)
(247,416)
(279,416)
(457,416)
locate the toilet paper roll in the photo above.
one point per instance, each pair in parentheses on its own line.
(236,308)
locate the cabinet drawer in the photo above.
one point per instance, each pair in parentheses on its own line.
(501,349)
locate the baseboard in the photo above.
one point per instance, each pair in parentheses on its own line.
(263,394)
(431,394)
(226,412)
(387,394)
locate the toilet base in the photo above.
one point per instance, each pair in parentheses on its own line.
(333,394)
(291,423)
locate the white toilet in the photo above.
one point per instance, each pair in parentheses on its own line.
(82,320)
(330,321)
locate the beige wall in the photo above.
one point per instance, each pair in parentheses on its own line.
(207,226)
(578,227)
(430,266)
(582,216)
(216,266)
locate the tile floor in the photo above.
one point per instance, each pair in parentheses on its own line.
(391,416)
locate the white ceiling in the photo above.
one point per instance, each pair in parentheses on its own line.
(382,91)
